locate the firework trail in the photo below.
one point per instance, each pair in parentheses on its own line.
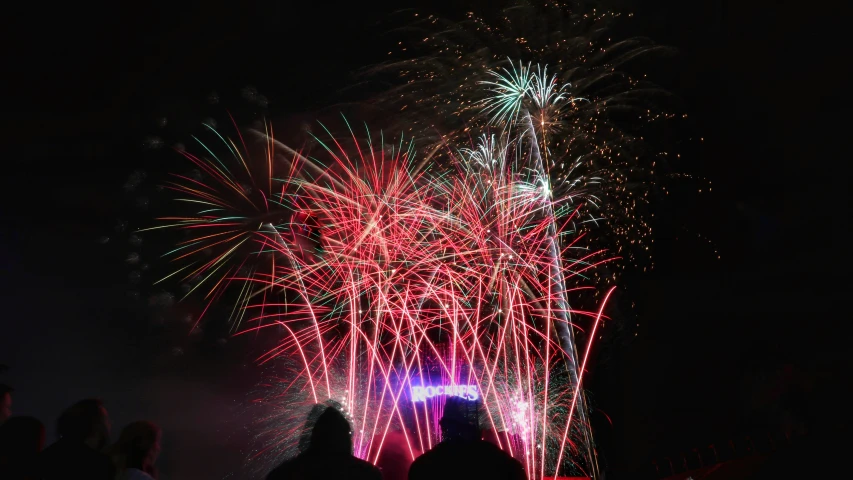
(550,78)
(390,280)
(553,65)
(226,201)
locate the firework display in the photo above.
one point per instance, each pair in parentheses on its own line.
(394,280)
(394,272)
(557,63)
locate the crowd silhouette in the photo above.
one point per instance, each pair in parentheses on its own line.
(326,449)
(462,453)
(83,449)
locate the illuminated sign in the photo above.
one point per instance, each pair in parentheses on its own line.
(469,392)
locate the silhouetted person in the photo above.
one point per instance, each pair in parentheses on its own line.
(21,441)
(463,454)
(84,429)
(5,402)
(136,451)
(329,454)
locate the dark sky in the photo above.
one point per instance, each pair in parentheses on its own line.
(750,342)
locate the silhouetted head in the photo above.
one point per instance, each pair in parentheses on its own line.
(138,447)
(21,436)
(461,420)
(5,402)
(331,433)
(86,421)
(308,427)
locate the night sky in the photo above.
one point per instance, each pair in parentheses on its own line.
(751,342)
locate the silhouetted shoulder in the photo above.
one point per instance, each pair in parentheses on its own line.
(310,467)
(366,470)
(283,471)
(443,457)
(480,459)
(513,468)
(70,460)
(420,467)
